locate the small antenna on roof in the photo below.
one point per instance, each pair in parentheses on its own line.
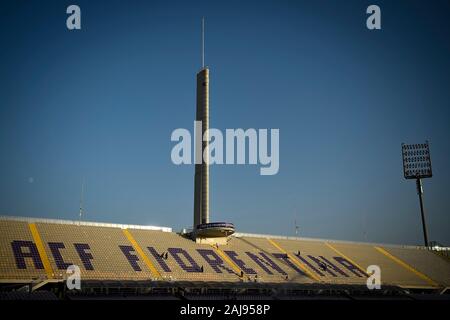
(203,42)
(81,200)
(295,223)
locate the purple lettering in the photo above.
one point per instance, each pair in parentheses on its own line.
(132,258)
(214,260)
(54,248)
(85,257)
(322,265)
(32,253)
(159,259)
(265,263)
(351,267)
(335,268)
(286,259)
(176,252)
(233,256)
(310,265)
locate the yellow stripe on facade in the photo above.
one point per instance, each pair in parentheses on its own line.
(407,267)
(295,261)
(40,246)
(141,253)
(346,258)
(228,260)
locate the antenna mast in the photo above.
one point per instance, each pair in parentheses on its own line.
(203,42)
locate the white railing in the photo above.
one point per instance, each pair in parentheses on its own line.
(237,234)
(255,235)
(86,223)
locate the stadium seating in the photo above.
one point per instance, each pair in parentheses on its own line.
(314,253)
(12,235)
(173,244)
(251,250)
(433,265)
(392,271)
(33,250)
(102,243)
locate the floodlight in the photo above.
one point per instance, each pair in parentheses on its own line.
(416,161)
(417,165)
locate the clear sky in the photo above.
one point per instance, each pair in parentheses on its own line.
(102,102)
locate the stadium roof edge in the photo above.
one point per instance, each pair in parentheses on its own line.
(85,223)
(168,229)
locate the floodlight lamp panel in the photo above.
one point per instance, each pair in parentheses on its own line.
(416,161)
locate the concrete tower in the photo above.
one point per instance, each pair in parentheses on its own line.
(203,230)
(201,183)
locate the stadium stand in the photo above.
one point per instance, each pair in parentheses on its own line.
(394,271)
(13,235)
(155,263)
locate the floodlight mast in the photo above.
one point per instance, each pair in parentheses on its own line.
(424,226)
(417,165)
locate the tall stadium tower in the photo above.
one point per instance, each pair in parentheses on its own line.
(201,183)
(203,230)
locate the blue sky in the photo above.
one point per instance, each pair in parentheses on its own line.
(102,102)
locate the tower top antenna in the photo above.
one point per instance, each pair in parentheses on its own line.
(203,42)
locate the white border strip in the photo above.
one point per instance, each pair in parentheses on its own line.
(86,223)
(254,235)
(237,234)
